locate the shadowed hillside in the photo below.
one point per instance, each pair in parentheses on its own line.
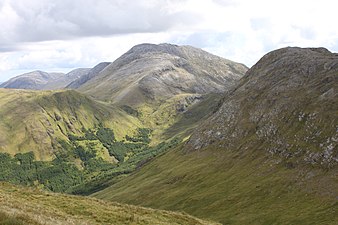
(268,155)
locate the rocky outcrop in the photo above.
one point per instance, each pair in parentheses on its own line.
(286,105)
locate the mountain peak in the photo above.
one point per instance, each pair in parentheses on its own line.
(150,71)
(284,102)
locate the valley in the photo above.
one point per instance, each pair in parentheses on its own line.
(175,128)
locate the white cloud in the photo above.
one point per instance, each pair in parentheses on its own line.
(80,33)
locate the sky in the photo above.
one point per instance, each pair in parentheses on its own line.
(60,35)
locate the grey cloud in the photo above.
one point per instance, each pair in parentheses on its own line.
(8,48)
(225,2)
(38,20)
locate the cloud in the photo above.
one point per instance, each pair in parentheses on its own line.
(37,20)
(54,34)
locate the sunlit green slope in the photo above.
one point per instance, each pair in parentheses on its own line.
(38,120)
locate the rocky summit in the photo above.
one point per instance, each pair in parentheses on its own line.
(154,72)
(286,105)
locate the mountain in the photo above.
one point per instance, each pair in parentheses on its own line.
(32,206)
(163,83)
(39,80)
(149,72)
(286,105)
(89,74)
(268,154)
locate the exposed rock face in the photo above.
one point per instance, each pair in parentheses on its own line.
(286,105)
(89,74)
(39,80)
(149,71)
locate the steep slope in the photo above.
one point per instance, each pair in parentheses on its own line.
(154,72)
(89,74)
(31,206)
(267,156)
(39,121)
(286,105)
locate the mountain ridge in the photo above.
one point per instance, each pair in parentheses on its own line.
(40,80)
(90,74)
(32,80)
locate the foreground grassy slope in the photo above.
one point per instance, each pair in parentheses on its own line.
(232,188)
(37,120)
(29,206)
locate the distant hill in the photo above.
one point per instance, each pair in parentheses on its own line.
(268,154)
(39,80)
(31,206)
(35,80)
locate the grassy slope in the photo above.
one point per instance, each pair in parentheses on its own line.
(31,206)
(35,120)
(166,121)
(231,188)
